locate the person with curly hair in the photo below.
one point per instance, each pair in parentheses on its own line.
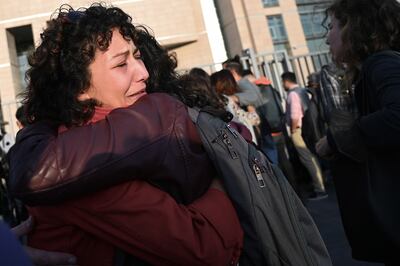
(111,165)
(364,37)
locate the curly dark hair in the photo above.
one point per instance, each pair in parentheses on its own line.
(195,91)
(368,26)
(59,69)
(235,66)
(199,72)
(21,116)
(224,82)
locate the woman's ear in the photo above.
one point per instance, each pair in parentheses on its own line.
(84,96)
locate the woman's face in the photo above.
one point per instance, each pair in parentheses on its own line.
(118,75)
(334,40)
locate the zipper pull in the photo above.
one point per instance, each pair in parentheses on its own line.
(257,172)
(264,169)
(229,145)
(220,136)
(234,133)
(259,164)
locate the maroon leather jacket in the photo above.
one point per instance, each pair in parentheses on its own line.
(153,140)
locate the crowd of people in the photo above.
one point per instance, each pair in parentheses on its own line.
(112,168)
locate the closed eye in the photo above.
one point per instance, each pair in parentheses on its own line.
(121,65)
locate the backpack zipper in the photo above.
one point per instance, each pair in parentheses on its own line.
(267,169)
(257,172)
(234,133)
(228,144)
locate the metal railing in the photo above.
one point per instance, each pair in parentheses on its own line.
(273,64)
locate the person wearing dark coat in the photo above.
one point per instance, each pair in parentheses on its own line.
(365,148)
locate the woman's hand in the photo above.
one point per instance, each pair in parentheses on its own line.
(323,149)
(42,257)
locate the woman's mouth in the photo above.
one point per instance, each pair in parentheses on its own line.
(136,96)
(137,93)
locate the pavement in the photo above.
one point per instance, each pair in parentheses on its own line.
(327,217)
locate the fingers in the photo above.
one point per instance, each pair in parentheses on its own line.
(47,258)
(24,227)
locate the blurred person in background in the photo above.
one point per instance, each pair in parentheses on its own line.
(364,37)
(201,73)
(297,107)
(275,116)
(225,85)
(314,88)
(249,95)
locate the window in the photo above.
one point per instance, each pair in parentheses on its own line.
(317,45)
(279,47)
(277,29)
(312,24)
(22,42)
(269,3)
(302,2)
(311,19)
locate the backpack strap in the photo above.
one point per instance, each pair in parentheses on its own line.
(194,113)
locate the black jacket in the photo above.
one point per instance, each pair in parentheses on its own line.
(367,169)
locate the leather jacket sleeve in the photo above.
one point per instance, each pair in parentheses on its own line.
(152,139)
(146,223)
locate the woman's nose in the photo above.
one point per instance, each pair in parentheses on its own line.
(144,74)
(139,70)
(328,37)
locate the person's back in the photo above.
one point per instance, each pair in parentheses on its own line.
(273,106)
(246,85)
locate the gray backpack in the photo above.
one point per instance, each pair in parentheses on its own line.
(278,229)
